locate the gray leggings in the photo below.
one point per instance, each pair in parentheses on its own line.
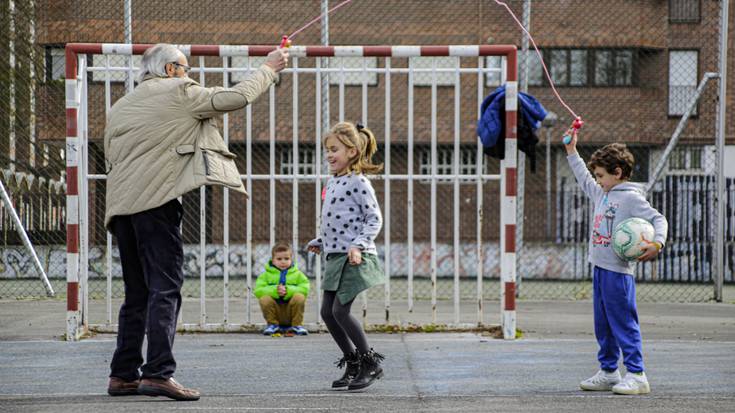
(344,328)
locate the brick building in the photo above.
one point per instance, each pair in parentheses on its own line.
(628,67)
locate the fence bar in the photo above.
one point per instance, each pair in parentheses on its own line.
(480,206)
(108,277)
(272,166)
(345,70)
(719,270)
(202,232)
(342,91)
(678,131)
(84,197)
(386,195)
(108,235)
(226,211)
(398,177)
(364,92)
(456,220)
(318,185)
(409,203)
(249,208)
(434,162)
(295,155)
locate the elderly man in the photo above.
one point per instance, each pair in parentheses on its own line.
(161,141)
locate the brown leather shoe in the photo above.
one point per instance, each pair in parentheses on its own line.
(167,387)
(120,387)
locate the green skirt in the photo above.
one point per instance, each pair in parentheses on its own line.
(350,280)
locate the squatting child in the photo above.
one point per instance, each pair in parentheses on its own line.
(281,291)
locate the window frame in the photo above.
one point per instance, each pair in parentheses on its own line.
(48,63)
(546,54)
(592,73)
(695,113)
(444,152)
(685,154)
(423,79)
(503,73)
(99,77)
(285,160)
(337,62)
(685,20)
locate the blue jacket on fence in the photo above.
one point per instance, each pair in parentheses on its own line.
(490,124)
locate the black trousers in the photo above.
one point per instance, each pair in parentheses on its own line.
(152,257)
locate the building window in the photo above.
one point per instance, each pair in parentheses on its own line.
(307,160)
(445,162)
(578,67)
(116,61)
(243,62)
(353,78)
(559,66)
(535,70)
(498,74)
(684,11)
(567,67)
(55,63)
(682,80)
(686,158)
(424,78)
(613,67)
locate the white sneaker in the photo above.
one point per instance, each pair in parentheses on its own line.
(633,384)
(602,381)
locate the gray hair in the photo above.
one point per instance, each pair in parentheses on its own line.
(155,59)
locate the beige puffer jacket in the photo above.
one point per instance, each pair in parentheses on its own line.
(161,140)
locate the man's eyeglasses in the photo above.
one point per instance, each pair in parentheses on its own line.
(185,67)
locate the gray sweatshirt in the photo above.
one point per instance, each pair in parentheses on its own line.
(625,200)
(350,216)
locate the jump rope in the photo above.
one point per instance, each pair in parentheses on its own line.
(571,132)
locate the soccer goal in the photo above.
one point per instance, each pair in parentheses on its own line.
(449,213)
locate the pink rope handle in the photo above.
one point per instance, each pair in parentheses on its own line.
(576,125)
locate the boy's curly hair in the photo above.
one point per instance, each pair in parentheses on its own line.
(611,156)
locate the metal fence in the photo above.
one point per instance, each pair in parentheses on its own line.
(629,68)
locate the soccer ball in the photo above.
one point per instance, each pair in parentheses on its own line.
(630,236)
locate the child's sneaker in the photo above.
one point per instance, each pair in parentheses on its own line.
(299,331)
(602,381)
(271,329)
(633,383)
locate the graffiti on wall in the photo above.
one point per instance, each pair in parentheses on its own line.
(17,262)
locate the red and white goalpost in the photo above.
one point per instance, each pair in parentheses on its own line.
(77,80)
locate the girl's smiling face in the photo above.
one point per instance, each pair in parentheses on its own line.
(339,156)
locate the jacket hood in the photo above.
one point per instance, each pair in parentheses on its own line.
(630,186)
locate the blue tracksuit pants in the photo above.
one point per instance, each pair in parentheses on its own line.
(616,320)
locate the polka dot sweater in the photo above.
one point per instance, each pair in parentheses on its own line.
(350,216)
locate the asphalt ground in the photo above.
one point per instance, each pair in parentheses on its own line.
(689,352)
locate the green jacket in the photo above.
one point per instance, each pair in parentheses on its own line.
(267,283)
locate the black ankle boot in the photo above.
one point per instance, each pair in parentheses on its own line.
(370,370)
(352,361)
